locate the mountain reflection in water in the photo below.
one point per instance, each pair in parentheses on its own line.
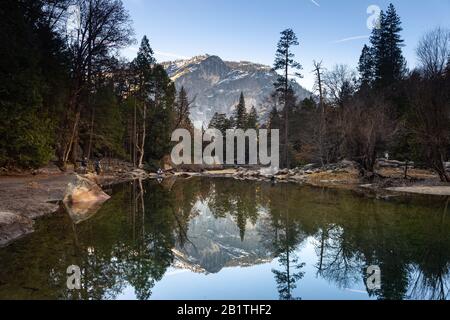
(221,238)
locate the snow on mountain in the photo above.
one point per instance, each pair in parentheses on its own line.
(215,243)
(216,85)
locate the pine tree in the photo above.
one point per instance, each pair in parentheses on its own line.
(252,119)
(144,84)
(240,114)
(161,116)
(109,131)
(220,122)
(389,63)
(366,68)
(284,61)
(274,119)
(182,111)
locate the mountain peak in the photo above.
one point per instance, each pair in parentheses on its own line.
(216,85)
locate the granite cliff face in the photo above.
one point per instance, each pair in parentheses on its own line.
(216,243)
(216,85)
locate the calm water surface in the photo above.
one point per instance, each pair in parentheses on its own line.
(226,239)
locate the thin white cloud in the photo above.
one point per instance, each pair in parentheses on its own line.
(315,2)
(351,39)
(356,291)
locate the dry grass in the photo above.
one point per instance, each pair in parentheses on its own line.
(399,173)
(350,177)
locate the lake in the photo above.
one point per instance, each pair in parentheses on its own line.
(227,239)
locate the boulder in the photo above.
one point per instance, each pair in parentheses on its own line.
(310,167)
(283,172)
(347,164)
(13,226)
(83,198)
(83,190)
(80,212)
(139,174)
(268,172)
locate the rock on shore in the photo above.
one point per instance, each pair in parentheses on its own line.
(13,226)
(83,198)
(83,190)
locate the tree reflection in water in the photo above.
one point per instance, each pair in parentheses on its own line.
(210,224)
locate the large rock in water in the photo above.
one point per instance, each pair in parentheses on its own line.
(83,191)
(13,226)
(83,198)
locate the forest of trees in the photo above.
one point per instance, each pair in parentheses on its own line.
(381,108)
(66,94)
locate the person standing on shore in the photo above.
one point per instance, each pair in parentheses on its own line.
(98,167)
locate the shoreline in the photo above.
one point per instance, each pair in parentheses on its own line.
(26,198)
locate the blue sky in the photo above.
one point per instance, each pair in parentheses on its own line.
(329,30)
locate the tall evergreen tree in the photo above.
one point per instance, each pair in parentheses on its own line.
(284,61)
(144,86)
(389,63)
(161,116)
(240,114)
(220,122)
(182,111)
(274,119)
(252,119)
(366,68)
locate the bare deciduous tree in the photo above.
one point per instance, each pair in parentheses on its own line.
(340,84)
(433,52)
(366,131)
(430,120)
(100,29)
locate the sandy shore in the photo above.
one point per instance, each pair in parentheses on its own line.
(429,190)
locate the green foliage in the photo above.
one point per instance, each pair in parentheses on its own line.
(108,124)
(389,63)
(252,119)
(161,116)
(239,117)
(220,122)
(182,112)
(366,67)
(284,58)
(25,128)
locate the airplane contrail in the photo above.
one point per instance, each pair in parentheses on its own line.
(315,2)
(350,39)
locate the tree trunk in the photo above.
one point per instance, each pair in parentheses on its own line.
(406,169)
(69,145)
(134,135)
(141,149)
(91,134)
(286,112)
